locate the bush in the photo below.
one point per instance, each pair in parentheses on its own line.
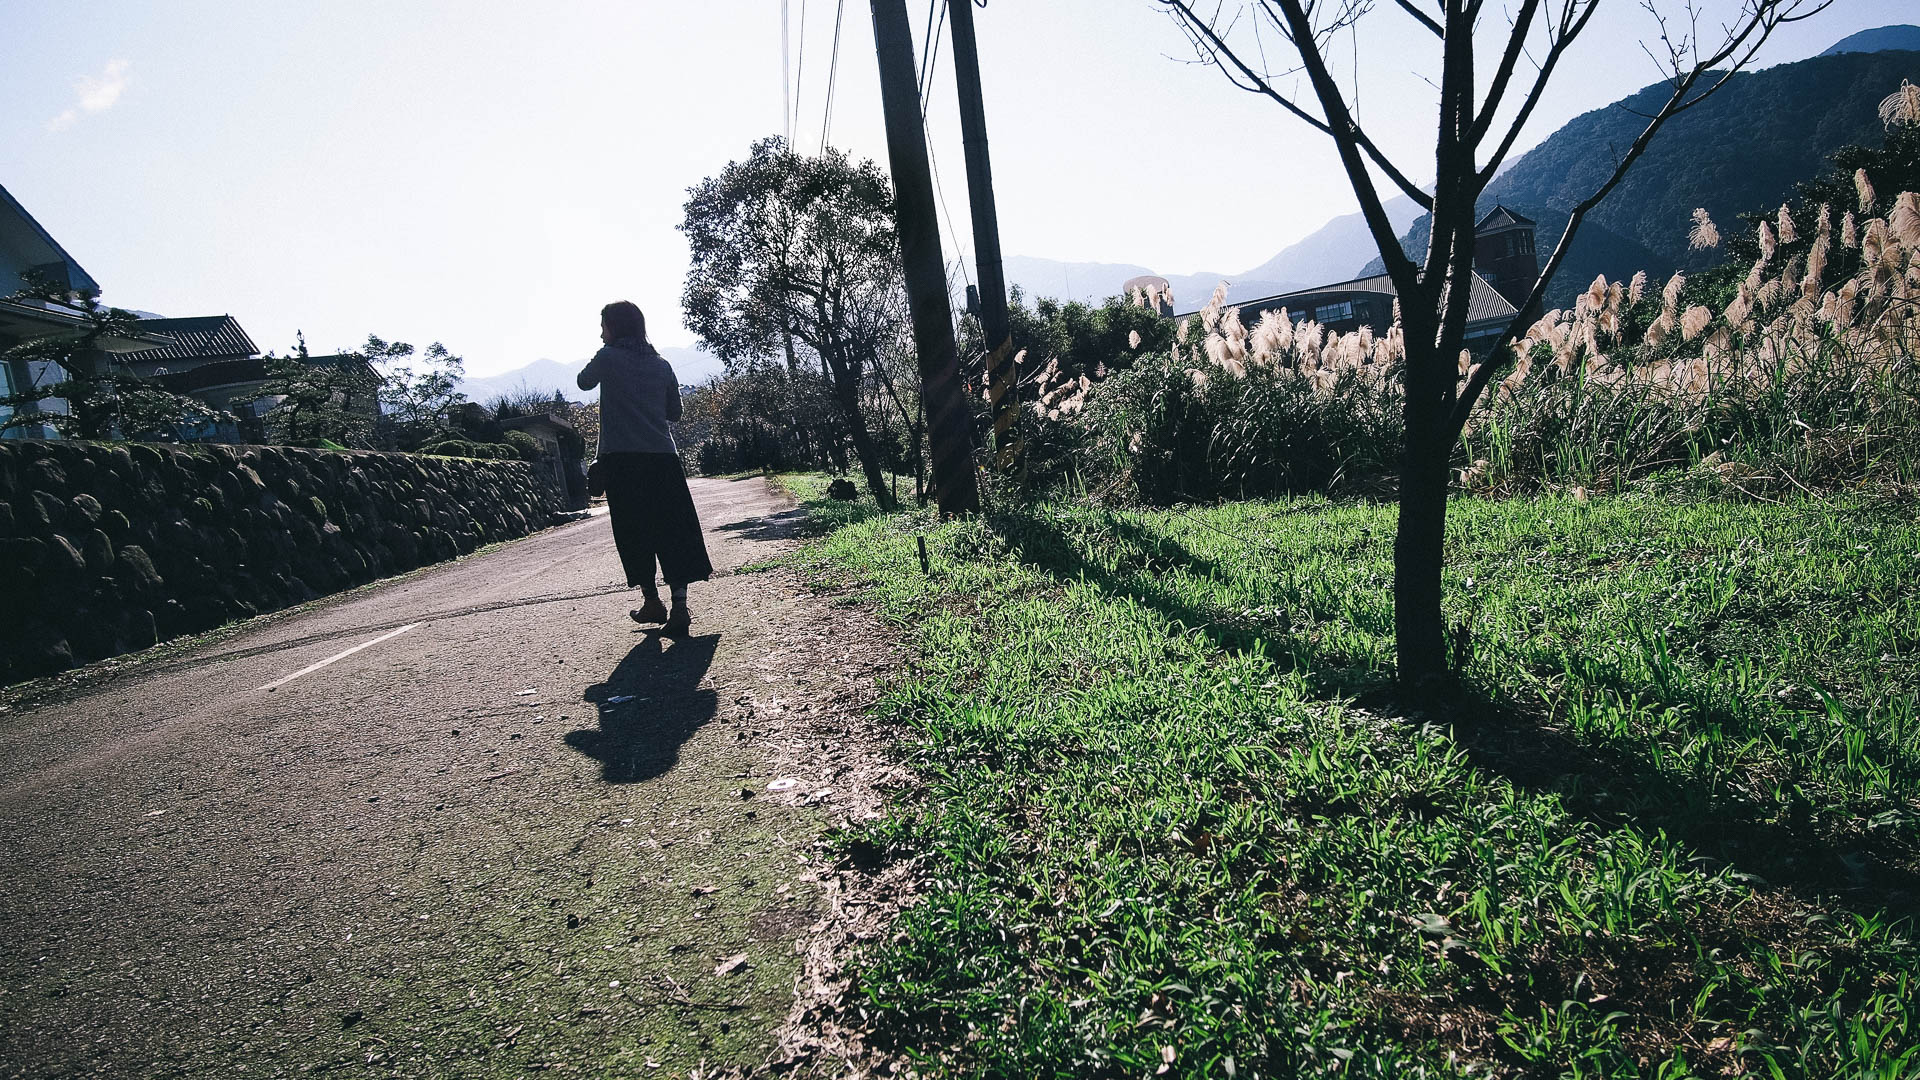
(1167,434)
(524,446)
(465,449)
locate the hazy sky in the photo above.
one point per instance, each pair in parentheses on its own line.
(488,174)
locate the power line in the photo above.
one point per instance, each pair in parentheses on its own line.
(799,77)
(942,197)
(928,63)
(833,72)
(929,50)
(786,76)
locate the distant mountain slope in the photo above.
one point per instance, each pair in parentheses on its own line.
(1336,251)
(1880,39)
(692,365)
(1740,150)
(1092,283)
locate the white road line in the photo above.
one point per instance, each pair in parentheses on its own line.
(311,668)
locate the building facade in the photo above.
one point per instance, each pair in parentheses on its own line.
(1505,269)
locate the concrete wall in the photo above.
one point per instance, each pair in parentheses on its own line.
(109,547)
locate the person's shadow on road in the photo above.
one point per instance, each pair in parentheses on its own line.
(649,705)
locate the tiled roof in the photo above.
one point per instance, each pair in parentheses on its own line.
(1500,217)
(522,423)
(233,371)
(203,337)
(1484,301)
(22,238)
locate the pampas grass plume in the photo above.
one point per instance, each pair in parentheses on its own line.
(1705,234)
(1904,222)
(1694,321)
(1671,294)
(1901,107)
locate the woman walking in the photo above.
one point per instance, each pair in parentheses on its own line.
(647,496)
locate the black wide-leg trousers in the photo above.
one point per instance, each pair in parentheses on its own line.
(654,519)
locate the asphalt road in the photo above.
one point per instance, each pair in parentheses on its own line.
(467,822)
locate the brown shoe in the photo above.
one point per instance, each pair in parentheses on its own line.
(679,623)
(653,611)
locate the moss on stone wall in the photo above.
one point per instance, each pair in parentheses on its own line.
(108,547)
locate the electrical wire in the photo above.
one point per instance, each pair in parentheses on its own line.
(929,62)
(959,255)
(799,77)
(833,72)
(786,75)
(929,51)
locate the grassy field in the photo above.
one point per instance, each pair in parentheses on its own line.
(1173,822)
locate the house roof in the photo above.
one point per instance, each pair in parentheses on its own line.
(1484,301)
(203,337)
(1501,217)
(234,371)
(521,423)
(24,245)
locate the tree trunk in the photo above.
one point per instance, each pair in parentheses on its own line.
(863,447)
(836,449)
(1419,549)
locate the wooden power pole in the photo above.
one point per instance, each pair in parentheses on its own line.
(1001,377)
(949,428)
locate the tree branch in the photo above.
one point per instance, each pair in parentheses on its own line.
(1762,17)
(1516,47)
(1569,28)
(1425,19)
(1214,47)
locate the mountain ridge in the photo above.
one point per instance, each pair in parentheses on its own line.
(692,365)
(1740,150)
(1901,36)
(1333,252)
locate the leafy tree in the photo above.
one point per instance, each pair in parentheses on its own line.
(103,402)
(419,392)
(319,402)
(526,400)
(797,257)
(1476,126)
(760,414)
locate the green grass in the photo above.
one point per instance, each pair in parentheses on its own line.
(1169,820)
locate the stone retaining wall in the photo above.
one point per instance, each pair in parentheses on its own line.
(110,547)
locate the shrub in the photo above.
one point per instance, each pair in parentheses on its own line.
(524,446)
(1797,379)
(465,449)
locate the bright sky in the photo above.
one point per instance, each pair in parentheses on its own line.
(488,174)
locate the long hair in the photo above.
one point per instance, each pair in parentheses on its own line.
(624,319)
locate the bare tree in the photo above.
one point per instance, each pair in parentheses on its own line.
(1476,129)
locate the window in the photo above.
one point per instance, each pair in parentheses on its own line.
(1332,313)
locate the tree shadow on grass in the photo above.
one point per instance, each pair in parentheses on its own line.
(1140,558)
(649,705)
(1610,782)
(785,525)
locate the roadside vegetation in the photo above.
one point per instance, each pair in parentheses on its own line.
(1168,822)
(1180,817)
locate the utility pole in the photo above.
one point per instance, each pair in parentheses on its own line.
(1001,377)
(948,425)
